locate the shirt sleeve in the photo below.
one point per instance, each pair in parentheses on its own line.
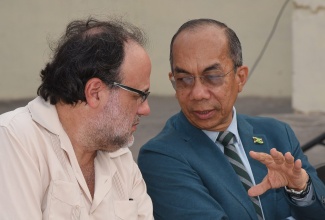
(307,200)
(20,194)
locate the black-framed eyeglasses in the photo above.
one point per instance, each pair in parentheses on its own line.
(186,81)
(143,95)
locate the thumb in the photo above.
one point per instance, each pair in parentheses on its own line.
(259,189)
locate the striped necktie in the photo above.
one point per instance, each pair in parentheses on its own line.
(227,139)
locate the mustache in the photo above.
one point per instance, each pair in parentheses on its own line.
(136,119)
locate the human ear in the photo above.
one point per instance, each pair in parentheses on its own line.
(93,91)
(172,80)
(242,77)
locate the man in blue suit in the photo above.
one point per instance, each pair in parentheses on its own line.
(189,171)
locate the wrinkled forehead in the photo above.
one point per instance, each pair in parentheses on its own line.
(202,45)
(201,33)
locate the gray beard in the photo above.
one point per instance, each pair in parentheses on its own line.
(109,130)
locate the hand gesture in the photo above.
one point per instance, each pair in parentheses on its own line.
(282,171)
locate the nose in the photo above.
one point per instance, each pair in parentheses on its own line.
(144,108)
(199,91)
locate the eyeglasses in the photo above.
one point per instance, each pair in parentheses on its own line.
(143,95)
(185,81)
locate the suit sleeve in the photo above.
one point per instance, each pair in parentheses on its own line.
(316,210)
(175,188)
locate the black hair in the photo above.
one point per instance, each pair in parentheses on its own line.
(88,49)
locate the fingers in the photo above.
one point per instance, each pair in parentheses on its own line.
(283,170)
(277,156)
(268,159)
(300,178)
(297,167)
(264,158)
(289,159)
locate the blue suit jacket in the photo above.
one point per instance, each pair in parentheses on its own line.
(188,176)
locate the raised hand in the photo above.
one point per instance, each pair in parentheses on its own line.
(282,171)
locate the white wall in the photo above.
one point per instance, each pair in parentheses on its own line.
(26,26)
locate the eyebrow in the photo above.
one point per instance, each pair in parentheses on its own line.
(215,66)
(180,70)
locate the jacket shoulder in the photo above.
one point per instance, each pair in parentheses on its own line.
(261,121)
(167,137)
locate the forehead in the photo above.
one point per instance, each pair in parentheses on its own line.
(136,63)
(201,45)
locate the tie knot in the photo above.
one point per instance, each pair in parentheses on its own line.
(225,138)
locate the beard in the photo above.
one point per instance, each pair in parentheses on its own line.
(111,129)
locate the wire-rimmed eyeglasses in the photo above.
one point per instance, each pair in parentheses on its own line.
(186,81)
(143,95)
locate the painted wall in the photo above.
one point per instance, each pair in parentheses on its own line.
(26,28)
(308,56)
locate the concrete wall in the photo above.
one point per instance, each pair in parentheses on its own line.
(308,56)
(27,26)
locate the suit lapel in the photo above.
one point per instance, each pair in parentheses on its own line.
(197,139)
(246,133)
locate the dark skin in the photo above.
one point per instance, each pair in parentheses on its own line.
(206,49)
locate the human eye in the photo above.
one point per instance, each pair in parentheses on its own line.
(214,79)
(213,76)
(184,79)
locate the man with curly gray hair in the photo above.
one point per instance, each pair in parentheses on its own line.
(65,155)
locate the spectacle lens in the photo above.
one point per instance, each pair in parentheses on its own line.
(185,81)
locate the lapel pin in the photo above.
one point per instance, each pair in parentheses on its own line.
(258,140)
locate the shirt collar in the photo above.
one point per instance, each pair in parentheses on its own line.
(46,115)
(232,128)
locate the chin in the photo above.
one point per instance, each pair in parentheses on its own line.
(130,141)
